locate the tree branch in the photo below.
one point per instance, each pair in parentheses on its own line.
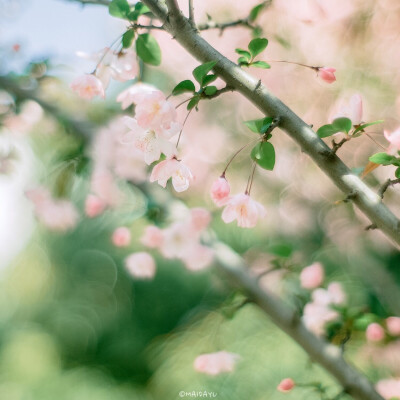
(385,186)
(366,200)
(325,354)
(191,13)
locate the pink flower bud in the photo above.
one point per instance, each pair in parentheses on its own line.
(94,206)
(393,325)
(312,276)
(121,237)
(153,237)
(286,385)
(374,332)
(327,74)
(220,190)
(141,265)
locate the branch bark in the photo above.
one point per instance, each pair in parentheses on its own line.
(366,200)
(325,354)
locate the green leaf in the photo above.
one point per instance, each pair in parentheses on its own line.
(342,124)
(383,159)
(260,64)
(281,249)
(148,49)
(127,38)
(264,155)
(397,173)
(210,90)
(244,53)
(201,71)
(193,102)
(259,125)
(243,61)
(256,46)
(363,126)
(255,11)
(182,87)
(326,131)
(119,8)
(208,79)
(141,8)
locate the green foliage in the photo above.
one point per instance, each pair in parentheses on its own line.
(183,87)
(259,125)
(119,8)
(193,102)
(210,90)
(255,11)
(202,70)
(264,155)
(338,125)
(148,49)
(260,64)
(257,46)
(384,159)
(361,127)
(127,38)
(139,10)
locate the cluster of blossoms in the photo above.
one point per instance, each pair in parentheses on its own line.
(216,363)
(376,332)
(240,206)
(121,66)
(319,311)
(181,240)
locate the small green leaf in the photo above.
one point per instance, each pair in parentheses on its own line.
(260,64)
(182,87)
(148,49)
(257,46)
(210,90)
(383,159)
(208,79)
(342,124)
(259,125)
(193,102)
(363,126)
(397,173)
(243,61)
(127,38)
(255,11)
(244,53)
(141,8)
(281,249)
(202,70)
(119,8)
(326,131)
(264,155)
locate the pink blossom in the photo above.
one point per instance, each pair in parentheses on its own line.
(172,168)
(244,209)
(200,218)
(134,94)
(94,206)
(55,214)
(286,385)
(148,142)
(353,110)
(124,65)
(394,140)
(88,86)
(393,325)
(141,265)
(312,276)
(334,294)
(178,240)
(121,237)
(220,190)
(316,315)
(374,332)
(153,237)
(197,257)
(389,388)
(216,363)
(327,74)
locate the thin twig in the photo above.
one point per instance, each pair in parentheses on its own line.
(191,13)
(337,145)
(385,186)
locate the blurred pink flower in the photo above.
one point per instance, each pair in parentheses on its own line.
(312,276)
(88,86)
(197,257)
(172,168)
(178,240)
(244,209)
(374,332)
(153,237)
(200,218)
(393,325)
(94,206)
(55,214)
(220,190)
(124,65)
(146,141)
(353,109)
(327,74)
(389,388)
(394,140)
(134,94)
(121,237)
(286,385)
(141,265)
(216,363)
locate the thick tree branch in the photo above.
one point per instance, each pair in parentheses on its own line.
(367,201)
(325,354)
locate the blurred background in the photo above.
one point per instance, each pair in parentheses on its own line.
(73,323)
